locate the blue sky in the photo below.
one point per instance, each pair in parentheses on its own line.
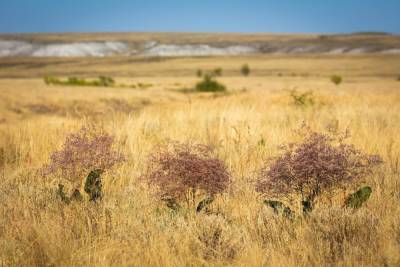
(282,16)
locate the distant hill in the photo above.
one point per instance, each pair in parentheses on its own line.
(193,44)
(370,33)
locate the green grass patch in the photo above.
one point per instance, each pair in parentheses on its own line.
(101,81)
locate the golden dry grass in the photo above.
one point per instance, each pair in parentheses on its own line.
(379,65)
(132,228)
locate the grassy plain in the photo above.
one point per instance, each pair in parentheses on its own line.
(131,227)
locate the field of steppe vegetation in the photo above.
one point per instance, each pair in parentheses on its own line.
(242,161)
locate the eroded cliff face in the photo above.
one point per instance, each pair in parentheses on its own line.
(202,45)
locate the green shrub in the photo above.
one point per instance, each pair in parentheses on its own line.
(106,81)
(76,81)
(214,73)
(245,70)
(144,85)
(51,80)
(336,79)
(209,84)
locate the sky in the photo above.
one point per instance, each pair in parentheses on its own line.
(253,16)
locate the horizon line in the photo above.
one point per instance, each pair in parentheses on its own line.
(204,32)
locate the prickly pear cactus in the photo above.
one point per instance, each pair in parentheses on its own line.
(308,202)
(93,185)
(204,203)
(356,199)
(171,203)
(76,196)
(307,206)
(280,208)
(61,194)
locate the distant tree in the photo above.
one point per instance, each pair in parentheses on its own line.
(245,70)
(336,79)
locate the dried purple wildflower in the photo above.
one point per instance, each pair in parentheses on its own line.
(82,152)
(318,163)
(182,171)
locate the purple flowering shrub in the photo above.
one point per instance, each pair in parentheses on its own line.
(181,172)
(83,152)
(318,163)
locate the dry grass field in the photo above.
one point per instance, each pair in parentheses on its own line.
(130,226)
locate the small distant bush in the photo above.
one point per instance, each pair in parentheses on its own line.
(398,78)
(245,70)
(302,99)
(144,85)
(316,164)
(81,153)
(217,72)
(336,79)
(213,73)
(106,81)
(184,173)
(51,80)
(209,84)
